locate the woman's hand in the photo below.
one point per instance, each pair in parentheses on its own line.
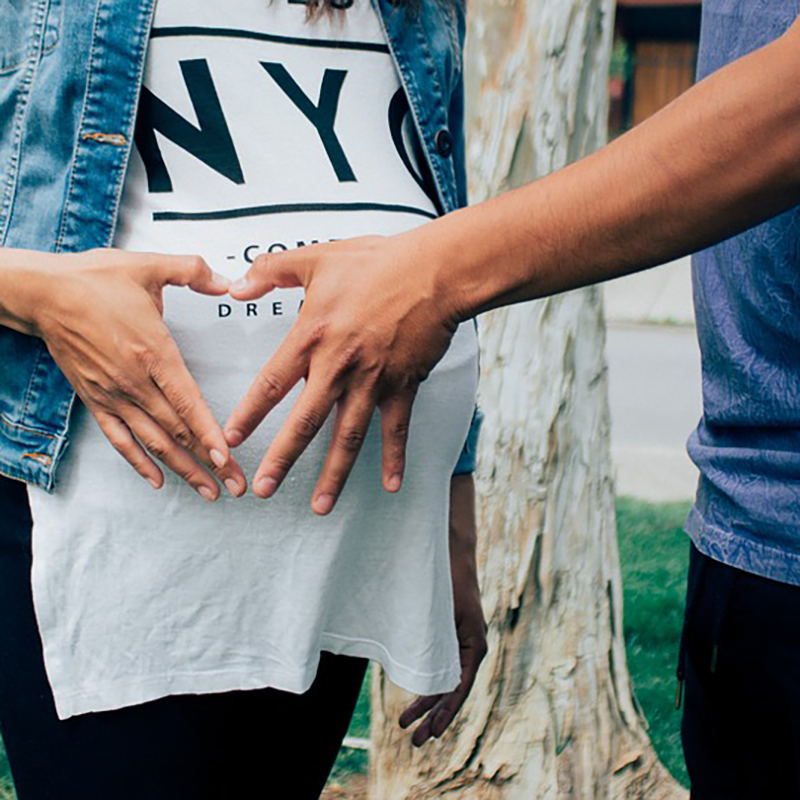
(439,710)
(361,295)
(100,315)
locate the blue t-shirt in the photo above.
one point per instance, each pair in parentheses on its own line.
(747,304)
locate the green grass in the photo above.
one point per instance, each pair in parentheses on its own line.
(654,554)
(354,761)
(6,784)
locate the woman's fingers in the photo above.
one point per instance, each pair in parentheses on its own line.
(156,441)
(230,473)
(424,730)
(184,413)
(123,441)
(450,706)
(170,375)
(191,271)
(167,447)
(104,328)
(418,708)
(438,711)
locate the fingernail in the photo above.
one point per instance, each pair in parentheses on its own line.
(232,486)
(266,487)
(154,483)
(218,459)
(220,280)
(393,484)
(239,286)
(206,493)
(324,503)
(234,437)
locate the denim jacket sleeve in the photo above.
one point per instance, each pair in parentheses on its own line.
(466,461)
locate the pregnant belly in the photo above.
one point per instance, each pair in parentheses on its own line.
(226,343)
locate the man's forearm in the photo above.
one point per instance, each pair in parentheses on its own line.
(379,313)
(721,158)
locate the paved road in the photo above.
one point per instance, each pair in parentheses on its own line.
(655,396)
(654,376)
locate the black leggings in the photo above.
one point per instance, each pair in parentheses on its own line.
(243,744)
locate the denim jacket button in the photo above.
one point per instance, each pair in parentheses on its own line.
(444,143)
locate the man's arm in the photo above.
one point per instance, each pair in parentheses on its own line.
(379,313)
(721,158)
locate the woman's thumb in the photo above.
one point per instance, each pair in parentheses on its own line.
(194,272)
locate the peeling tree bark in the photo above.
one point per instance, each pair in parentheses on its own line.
(551,714)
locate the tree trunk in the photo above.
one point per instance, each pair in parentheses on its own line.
(551,714)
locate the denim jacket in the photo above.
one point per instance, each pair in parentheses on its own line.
(70,78)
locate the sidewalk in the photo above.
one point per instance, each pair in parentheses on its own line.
(656,296)
(654,382)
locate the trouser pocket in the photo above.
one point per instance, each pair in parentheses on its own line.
(716,582)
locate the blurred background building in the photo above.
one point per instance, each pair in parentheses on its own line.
(654,57)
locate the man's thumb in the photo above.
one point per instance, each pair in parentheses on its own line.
(271,271)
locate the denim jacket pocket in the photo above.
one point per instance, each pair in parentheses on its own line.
(21,28)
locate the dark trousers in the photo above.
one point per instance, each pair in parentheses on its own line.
(244,744)
(741,659)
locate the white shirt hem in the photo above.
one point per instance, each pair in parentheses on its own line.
(120,694)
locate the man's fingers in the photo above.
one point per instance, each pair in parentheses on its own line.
(123,441)
(302,425)
(159,443)
(395,422)
(349,432)
(288,365)
(272,271)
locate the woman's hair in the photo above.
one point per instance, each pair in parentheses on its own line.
(316,7)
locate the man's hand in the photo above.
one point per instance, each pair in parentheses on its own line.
(100,314)
(379,313)
(439,710)
(371,329)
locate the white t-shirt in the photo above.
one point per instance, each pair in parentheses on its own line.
(257,131)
